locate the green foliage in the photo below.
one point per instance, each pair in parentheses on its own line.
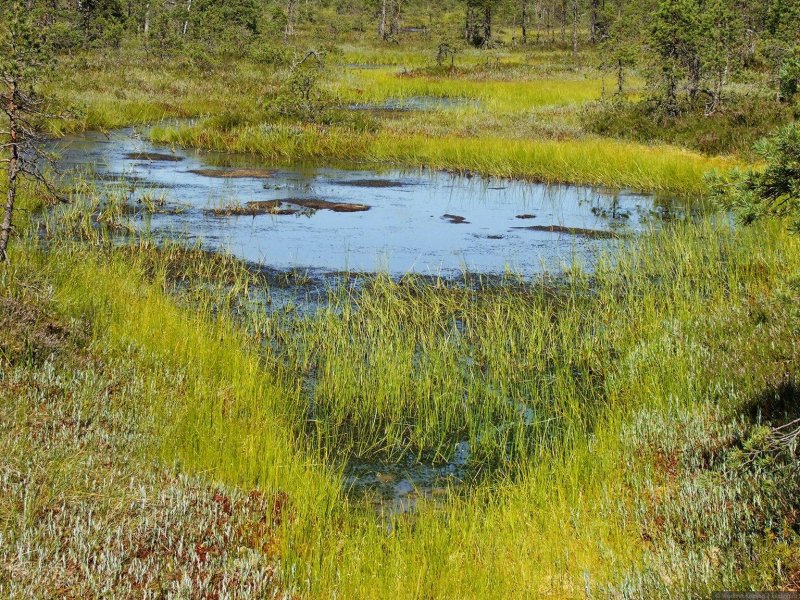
(733,129)
(789,76)
(164,36)
(301,95)
(673,38)
(267,54)
(102,21)
(720,39)
(771,192)
(697,46)
(618,51)
(64,37)
(24,58)
(24,53)
(222,28)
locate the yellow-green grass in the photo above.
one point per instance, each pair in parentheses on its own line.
(100,93)
(374,86)
(685,326)
(591,161)
(413,56)
(227,420)
(108,95)
(382,56)
(611,365)
(521,129)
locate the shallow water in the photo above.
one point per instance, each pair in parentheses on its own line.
(417,221)
(416,103)
(325,220)
(398,487)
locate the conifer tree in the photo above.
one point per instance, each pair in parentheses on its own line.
(23,59)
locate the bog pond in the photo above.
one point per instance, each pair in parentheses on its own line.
(334,219)
(327,220)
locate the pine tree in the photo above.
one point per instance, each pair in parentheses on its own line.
(24,57)
(674,41)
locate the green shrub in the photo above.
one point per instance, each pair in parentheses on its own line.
(771,192)
(734,128)
(789,77)
(265,54)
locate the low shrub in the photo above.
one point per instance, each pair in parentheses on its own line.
(731,130)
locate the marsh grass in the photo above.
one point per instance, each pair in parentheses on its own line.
(592,161)
(604,408)
(570,391)
(373,86)
(736,128)
(84,510)
(134,89)
(522,128)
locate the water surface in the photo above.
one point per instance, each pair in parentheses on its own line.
(416,221)
(328,220)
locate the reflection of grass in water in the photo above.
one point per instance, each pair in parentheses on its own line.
(638,365)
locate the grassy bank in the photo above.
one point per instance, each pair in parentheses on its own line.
(586,161)
(494,95)
(603,414)
(527,127)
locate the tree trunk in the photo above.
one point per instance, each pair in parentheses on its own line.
(382,23)
(671,95)
(186,22)
(574,26)
(291,9)
(524,22)
(694,79)
(719,87)
(13,171)
(472,32)
(147,18)
(594,21)
(487,25)
(394,23)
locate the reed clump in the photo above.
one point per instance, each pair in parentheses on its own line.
(592,161)
(589,402)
